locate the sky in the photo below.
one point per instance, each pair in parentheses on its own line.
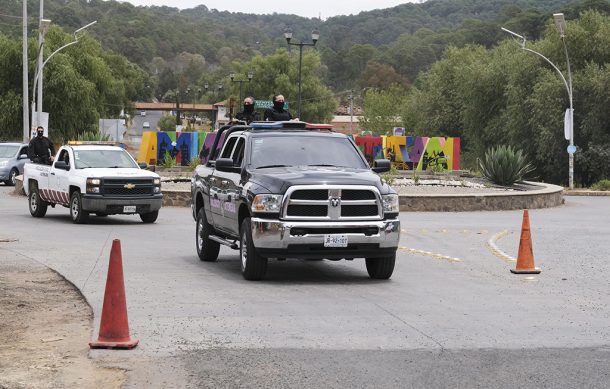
(308,8)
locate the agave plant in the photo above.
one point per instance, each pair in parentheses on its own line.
(504,165)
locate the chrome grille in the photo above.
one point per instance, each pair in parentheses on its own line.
(325,202)
(126,187)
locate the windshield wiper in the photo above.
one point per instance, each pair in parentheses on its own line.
(327,164)
(270,166)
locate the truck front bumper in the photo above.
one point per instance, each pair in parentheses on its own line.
(116,205)
(276,238)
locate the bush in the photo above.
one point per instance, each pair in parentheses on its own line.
(168,161)
(194,163)
(504,166)
(601,185)
(390,176)
(93,136)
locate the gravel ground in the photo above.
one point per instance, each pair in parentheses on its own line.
(403,186)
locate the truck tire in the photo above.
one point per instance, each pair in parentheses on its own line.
(38,208)
(207,249)
(76,209)
(253,265)
(149,217)
(12,177)
(381,268)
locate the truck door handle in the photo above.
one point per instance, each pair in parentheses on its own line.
(52,173)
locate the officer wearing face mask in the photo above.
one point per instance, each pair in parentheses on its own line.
(41,149)
(248,115)
(277,113)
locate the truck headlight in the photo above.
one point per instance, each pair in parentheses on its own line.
(93,185)
(157,185)
(157,181)
(3,163)
(267,203)
(390,203)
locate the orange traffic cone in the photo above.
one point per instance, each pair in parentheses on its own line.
(114,329)
(525,259)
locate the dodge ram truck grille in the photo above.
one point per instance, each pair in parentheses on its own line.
(321,202)
(127,187)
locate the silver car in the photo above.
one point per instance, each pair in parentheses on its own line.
(12,158)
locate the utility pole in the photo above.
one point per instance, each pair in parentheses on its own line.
(26,98)
(40,60)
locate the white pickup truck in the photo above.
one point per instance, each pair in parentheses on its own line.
(99,179)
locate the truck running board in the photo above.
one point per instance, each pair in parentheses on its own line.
(220,240)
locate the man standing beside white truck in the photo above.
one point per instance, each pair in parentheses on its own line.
(100,179)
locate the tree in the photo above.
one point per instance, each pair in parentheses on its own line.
(167,123)
(382,109)
(278,73)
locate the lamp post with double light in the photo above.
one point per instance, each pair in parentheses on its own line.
(249,76)
(569,114)
(315,36)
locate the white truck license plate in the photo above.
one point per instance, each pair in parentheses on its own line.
(335,240)
(129,209)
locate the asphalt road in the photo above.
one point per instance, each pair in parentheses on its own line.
(461,322)
(152,117)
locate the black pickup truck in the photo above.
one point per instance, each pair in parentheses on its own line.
(293,190)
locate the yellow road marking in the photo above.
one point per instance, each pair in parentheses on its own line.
(430,254)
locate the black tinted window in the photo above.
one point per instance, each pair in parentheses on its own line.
(294,150)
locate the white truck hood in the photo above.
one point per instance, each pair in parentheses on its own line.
(120,172)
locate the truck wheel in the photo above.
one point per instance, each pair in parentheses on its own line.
(149,217)
(12,177)
(381,268)
(38,208)
(253,266)
(76,209)
(207,249)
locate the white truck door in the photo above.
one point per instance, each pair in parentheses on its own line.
(58,181)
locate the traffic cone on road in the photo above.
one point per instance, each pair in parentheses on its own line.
(114,328)
(525,258)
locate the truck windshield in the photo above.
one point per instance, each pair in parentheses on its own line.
(8,151)
(293,150)
(103,159)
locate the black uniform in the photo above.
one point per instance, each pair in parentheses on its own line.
(248,116)
(276,114)
(40,150)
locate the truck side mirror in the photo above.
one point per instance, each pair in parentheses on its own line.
(62,165)
(227,165)
(143,165)
(382,165)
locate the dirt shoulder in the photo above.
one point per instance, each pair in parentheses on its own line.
(45,327)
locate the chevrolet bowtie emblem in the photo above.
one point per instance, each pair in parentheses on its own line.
(129,186)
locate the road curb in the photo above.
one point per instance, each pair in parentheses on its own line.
(546,197)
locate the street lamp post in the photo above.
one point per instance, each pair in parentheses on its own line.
(40,65)
(250,75)
(315,35)
(569,117)
(24,48)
